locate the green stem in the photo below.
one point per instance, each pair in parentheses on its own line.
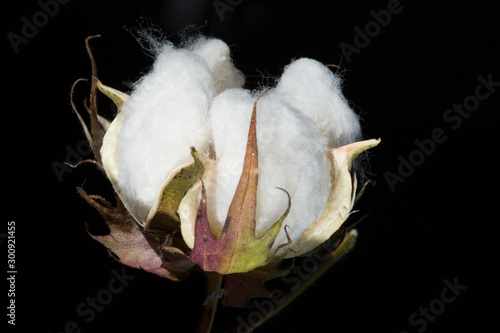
(214,281)
(346,245)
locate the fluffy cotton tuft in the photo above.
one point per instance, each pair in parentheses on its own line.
(217,55)
(166,114)
(291,156)
(312,88)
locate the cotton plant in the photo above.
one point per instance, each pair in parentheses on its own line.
(210,176)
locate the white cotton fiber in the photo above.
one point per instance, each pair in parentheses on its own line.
(312,88)
(291,156)
(166,115)
(217,55)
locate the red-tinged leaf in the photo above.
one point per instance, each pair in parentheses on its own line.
(206,249)
(130,246)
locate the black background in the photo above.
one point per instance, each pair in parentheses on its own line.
(438,224)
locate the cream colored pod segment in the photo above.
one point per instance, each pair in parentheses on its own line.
(166,113)
(341,198)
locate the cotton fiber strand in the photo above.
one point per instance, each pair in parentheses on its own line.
(312,88)
(217,55)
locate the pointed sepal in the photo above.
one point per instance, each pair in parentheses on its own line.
(163,216)
(115,95)
(237,250)
(341,199)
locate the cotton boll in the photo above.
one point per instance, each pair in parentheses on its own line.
(291,156)
(217,55)
(165,115)
(312,88)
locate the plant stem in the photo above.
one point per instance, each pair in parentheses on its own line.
(214,281)
(346,245)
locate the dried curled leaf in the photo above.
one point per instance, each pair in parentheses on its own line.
(132,247)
